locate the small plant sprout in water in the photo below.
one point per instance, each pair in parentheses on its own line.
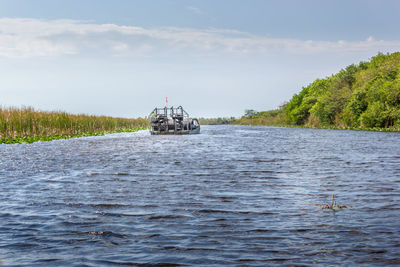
(332,206)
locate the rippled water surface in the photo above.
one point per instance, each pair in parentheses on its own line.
(232,195)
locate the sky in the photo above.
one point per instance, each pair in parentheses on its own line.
(216,58)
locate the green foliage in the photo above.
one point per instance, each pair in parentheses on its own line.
(216,121)
(366,95)
(276,117)
(298,108)
(249,112)
(374,116)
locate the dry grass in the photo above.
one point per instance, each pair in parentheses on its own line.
(25,122)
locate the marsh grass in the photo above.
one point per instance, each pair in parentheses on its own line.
(25,124)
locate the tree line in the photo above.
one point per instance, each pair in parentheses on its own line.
(365,95)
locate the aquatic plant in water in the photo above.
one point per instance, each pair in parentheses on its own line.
(332,206)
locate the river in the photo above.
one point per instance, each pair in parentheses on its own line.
(232,195)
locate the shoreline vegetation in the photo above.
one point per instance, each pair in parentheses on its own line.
(217,121)
(360,97)
(25,125)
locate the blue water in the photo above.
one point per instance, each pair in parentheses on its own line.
(233,195)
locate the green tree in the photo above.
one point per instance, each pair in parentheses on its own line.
(249,112)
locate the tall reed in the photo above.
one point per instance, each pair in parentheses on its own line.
(26,122)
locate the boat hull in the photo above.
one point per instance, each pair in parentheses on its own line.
(195,131)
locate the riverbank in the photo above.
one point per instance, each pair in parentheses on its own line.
(26,125)
(376,129)
(365,96)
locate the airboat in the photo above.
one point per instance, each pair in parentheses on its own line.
(172,121)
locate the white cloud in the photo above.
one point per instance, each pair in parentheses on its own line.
(21,37)
(194,9)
